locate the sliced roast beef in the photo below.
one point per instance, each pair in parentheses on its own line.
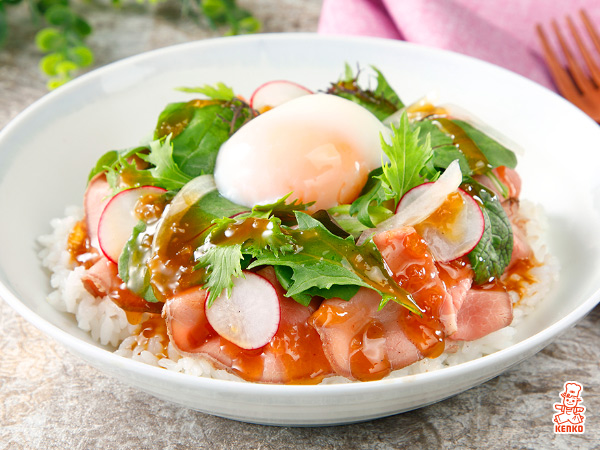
(483,312)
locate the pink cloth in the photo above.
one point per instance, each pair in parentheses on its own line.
(499,31)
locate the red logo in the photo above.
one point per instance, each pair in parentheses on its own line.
(570,418)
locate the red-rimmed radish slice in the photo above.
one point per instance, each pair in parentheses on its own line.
(250,317)
(454,228)
(97,195)
(274,93)
(119,218)
(416,205)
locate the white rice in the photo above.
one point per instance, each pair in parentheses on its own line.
(108,324)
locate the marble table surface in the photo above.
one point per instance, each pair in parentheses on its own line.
(49,399)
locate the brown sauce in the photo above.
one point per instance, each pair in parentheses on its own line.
(444,217)
(179,119)
(78,245)
(518,276)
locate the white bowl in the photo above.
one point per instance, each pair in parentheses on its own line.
(47,151)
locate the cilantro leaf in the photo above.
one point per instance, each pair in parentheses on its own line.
(221,263)
(164,170)
(230,241)
(492,254)
(219,91)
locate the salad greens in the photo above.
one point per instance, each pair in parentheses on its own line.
(313,255)
(381,101)
(186,141)
(492,254)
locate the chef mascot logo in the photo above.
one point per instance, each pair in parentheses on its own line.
(569,418)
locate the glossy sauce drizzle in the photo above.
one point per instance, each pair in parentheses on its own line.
(368,360)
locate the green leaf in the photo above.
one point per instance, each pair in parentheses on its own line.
(249,25)
(133,262)
(43,5)
(284,276)
(106,161)
(381,102)
(384,90)
(372,193)
(444,150)
(326,260)
(49,39)
(3,25)
(166,172)
(219,91)
(221,264)
(60,16)
(492,254)
(81,55)
(81,27)
(408,158)
(350,223)
(66,68)
(496,154)
(50,62)
(280,209)
(198,130)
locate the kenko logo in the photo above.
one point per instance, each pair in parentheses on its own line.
(570,418)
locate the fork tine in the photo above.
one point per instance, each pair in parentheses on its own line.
(579,76)
(594,71)
(559,74)
(590,28)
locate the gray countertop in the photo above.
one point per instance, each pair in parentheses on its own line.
(51,399)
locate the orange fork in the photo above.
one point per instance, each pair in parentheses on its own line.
(580,88)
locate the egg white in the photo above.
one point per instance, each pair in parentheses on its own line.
(320,147)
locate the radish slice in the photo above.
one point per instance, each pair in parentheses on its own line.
(119,218)
(459,230)
(250,317)
(417,207)
(274,93)
(97,195)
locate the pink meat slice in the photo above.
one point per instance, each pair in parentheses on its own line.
(103,279)
(458,279)
(483,312)
(280,361)
(413,267)
(96,196)
(360,341)
(521,248)
(509,177)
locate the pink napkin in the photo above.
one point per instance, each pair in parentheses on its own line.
(499,31)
